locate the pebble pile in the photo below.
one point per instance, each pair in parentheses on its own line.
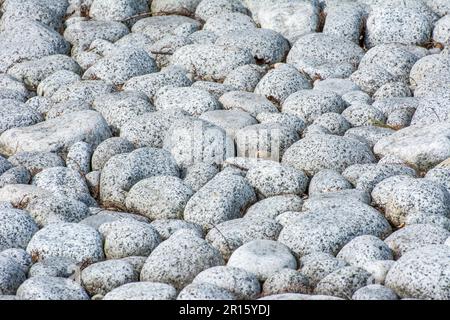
(224,149)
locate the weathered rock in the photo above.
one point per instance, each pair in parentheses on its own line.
(306,234)
(142,291)
(415,236)
(343,282)
(243,284)
(421,273)
(123,171)
(263,258)
(318,152)
(71,240)
(311,54)
(414,145)
(223,198)
(103,277)
(211,62)
(179,259)
(56,135)
(51,288)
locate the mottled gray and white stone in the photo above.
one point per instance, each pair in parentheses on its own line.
(263,258)
(179,259)
(71,240)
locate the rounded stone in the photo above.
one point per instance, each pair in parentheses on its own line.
(387,24)
(334,122)
(280,82)
(54,267)
(204,291)
(161,197)
(245,78)
(108,149)
(415,236)
(119,107)
(142,291)
(327,228)
(224,23)
(416,195)
(318,152)
(51,288)
(318,265)
(193,101)
(128,237)
(363,115)
(328,180)
(374,292)
(267,46)
(263,258)
(103,277)
(344,282)
(223,198)
(17,228)
(311,104)
(274,206)
(20,256)
(179,259)
(56,209)
(63,181)
(77,241)
(363,249)
(320,55)
(211,62)
(243,284)
(272,179)
(209,8)
(167,227)
(379,269)
(422,274)
(286,281)
(230,235)
(11,276)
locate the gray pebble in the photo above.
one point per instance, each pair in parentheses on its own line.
(243,284)
(57,209)
(142,291)
(119,107)
(263,258)
(415,236)
(71,240)
(223,198)
(344,282)
(103,277)
(364,249)
(161,197)
(421,274)
(51,288)
(374,292)
(286,281)
(179,259)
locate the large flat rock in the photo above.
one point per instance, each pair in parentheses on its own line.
(56,135)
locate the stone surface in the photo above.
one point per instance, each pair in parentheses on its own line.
(421,274)
(70,240)
(142,291)
(128,237)
(223,198)
(318,152)
(211,62)
(263,258)
(413,145)
(51,288)
(179,259)
(342,221)
(56,135)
